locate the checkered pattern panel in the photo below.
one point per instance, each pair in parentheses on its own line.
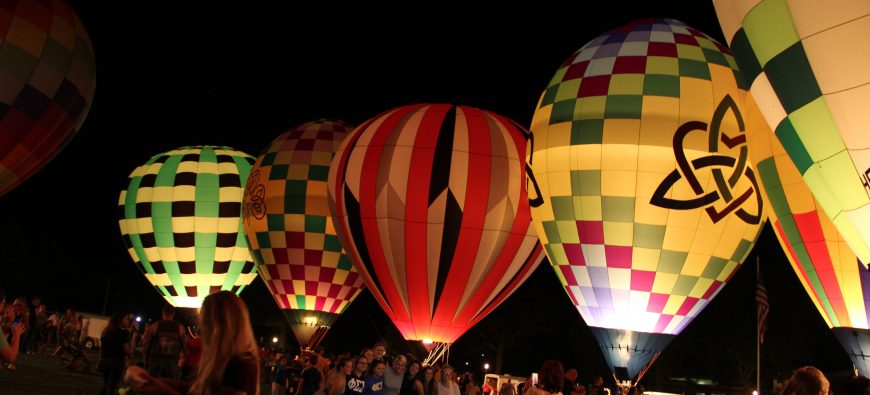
(604,135)
(47,79)
(808,67)
(181,222)
(287,221)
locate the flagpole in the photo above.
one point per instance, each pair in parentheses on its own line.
(757,334)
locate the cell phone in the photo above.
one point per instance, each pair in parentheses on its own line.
(534,379)
(18,319)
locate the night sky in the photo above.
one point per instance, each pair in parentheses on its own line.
(170,76)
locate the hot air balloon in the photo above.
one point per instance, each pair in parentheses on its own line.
(48,79)
(288,227)
(809,72)
(837,282)
(429,201)
(647,203)
(181,219)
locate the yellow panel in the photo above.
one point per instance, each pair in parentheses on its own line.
(626,84)
(695,264)
(591,207)
(154,254)
(143,225)
(664,283)
(811,17)
(731,13)
(568,231)
(726,246)
(558,255)
(618,233)
(321,158)
(618,183)
(314,241)
(725,84)
(182,254)
(859,245)
(839,174)
(619,278)
(588,156)
(233,194)
(674,304)
(559,183)
(621,131)
(297,172)
(619,157)
(590,108)
(849,111)
(695,89)
(557,140)
(578,207)
(277,240)
(705,242)
(647,213)
(678,239)
(184,193)
(799,197)
(701,287)
(645,258)
(541,118)
(158,279)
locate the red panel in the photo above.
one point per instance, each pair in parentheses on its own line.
(712,290)
(630,65)
(618,256)
(687,306)
(576,70)
(657,303)
(594,86)
(809,226)
(668,50)
(642,280)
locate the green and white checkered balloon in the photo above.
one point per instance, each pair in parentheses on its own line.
(180,218)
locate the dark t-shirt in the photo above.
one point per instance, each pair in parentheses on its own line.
(354,385)
(310,381)
(241,374)
(112,344)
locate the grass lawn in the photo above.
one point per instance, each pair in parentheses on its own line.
(42,374)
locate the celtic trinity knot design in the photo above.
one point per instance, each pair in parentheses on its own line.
(724,187)
(255,198)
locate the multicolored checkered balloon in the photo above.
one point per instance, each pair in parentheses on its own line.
(181,221)
(288,227)
(647,202)
(47,79)
(809,70)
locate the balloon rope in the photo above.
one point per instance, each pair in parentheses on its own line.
(646,368)
(437,353)
(318,336)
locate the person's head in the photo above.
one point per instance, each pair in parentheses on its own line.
(447,374)
(855,385)
(168,311)
(116,322)
(571,375)
(225,329)
(427,374)
(379,349)
(378,368)
(551,375)
(361,365)
(345,365)
(37,301)
(413,368)
(312,360)
(807,381)
(368,353)
(400,363)
(599,381)
(41,308)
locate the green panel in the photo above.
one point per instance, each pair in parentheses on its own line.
(817,130)
(331,243)
(714,267)
(770,29)
(648,236)
(162,225)
(300,300)
(792,78)
(789,139)
(685,51)
(839,171)
(205,208)
(624,106)
(586,182)
(207,154)
(617,208)
(662,65)
(568,90)
(741,251)
(563,111)
(278,172)
(16,61)
(694,69)
(671,261)
(549,96)
(164,239)
(204,259)
(587,131)
(263,240)
(715,57)
(662,85)
(204,239)
(745,57)
(269,160)
(684,285)
(558,77)
(773,187)
(552,232)
(563,207)
(275,222)
(294,197)
(56,55)
(793,236)
(168,169)
(318,173)
(315,224)
(344,263)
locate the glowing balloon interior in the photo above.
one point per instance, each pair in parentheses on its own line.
(430,202)
(647,203)
(181,221)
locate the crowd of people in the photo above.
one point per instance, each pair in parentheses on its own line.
(221,356)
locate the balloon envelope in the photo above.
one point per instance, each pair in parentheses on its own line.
(430,202)
(810,74)
(48,79)
(181,221)
(648,204)
(287,225)
(836,281)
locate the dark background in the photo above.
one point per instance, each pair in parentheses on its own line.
(171,74)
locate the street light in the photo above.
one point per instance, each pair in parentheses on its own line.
(486,366)
(275,339)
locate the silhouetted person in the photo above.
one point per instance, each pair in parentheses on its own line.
(807,381)
(855,385)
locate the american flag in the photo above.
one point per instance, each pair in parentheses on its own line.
(763,308)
